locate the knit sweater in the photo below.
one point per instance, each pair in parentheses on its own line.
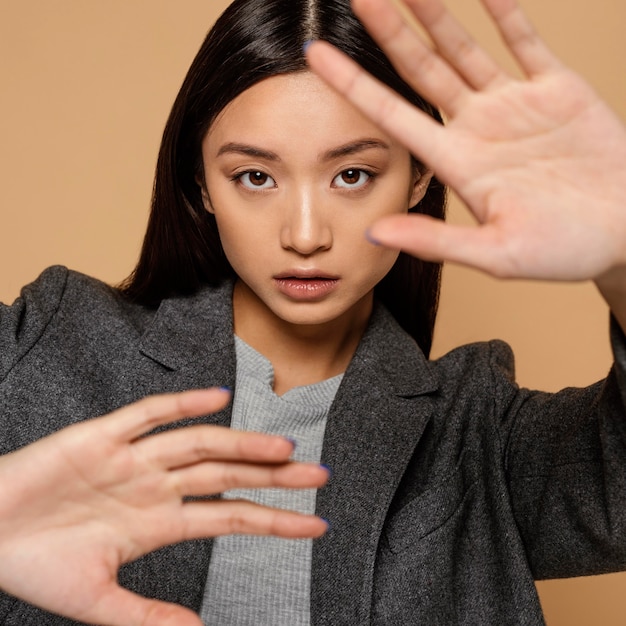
(266,580)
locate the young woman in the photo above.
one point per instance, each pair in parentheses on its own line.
(452,488)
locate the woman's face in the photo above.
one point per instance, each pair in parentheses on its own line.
(294,176)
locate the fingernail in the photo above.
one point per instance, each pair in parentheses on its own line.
(327,468)
(226,388)
(371,238)
(326,522)
(293,442)
(306,44)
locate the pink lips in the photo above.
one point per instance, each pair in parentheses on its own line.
(307,286)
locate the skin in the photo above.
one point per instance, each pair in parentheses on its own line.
(113,494)
(539,161)
(526,193)
(295,176)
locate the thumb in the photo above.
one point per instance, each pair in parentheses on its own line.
(434,240)
(121,607)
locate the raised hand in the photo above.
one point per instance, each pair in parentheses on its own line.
(540,162)
(111,494)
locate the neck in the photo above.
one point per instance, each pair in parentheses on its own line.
(301,354)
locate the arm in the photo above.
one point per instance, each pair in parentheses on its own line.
(540,162)
(113,494)
(564,462)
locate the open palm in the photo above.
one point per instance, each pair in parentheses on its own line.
(540,162)
(77,505)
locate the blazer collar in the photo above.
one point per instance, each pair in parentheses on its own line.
(185,328)
(191,338)
(374,425)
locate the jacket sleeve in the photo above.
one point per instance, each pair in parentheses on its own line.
(23,323)
(565,462)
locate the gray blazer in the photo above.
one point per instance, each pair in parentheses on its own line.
(452,489)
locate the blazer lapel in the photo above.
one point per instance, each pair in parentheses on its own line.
(373,427)
(191,338)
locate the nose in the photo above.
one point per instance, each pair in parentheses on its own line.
(306,229)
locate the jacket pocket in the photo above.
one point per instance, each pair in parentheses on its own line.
(427,513)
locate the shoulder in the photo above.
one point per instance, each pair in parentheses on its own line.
(68,302)
(477,386)
(98,303)
(478,374)
(44,293)
(55,283)
(479,359)
(24,321)
(59,289)
(398,362)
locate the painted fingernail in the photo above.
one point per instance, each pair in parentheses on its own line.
(327,468)
(307,44)
(293,442)
(371,238)
(226,388)
(328,524)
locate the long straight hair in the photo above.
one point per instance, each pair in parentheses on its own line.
(251,41)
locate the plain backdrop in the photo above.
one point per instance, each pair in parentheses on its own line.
(86,88)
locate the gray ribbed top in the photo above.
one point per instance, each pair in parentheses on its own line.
(260,581)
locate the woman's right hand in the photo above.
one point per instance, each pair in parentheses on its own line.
(78,504)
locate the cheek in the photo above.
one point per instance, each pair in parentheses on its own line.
(233,236)
(387,259)
(374,262)
(400,192)
(246,243)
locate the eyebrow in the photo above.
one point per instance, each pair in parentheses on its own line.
(354,147)
(252,151)
(346,150)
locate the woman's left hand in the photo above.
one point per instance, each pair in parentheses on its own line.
(539,161)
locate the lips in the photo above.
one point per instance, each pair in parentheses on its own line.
(306,285)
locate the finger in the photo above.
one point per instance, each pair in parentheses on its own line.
(421,67)
(434,240)
(121,607)
(194,444)
(472,63)
(137,419)
(381,104)
(212,478)
(527,47)
(225,517)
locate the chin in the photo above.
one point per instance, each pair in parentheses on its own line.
(317,314)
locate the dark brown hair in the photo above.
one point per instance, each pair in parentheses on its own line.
(251,41)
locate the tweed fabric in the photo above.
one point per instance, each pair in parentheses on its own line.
(452,488)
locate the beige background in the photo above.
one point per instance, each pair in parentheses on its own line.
(86,88)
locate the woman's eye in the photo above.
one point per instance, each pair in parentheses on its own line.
(351,179)
(256,180)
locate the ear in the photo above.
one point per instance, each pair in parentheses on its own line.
(421,180)
(206,200)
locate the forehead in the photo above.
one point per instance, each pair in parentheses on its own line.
(291,112)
